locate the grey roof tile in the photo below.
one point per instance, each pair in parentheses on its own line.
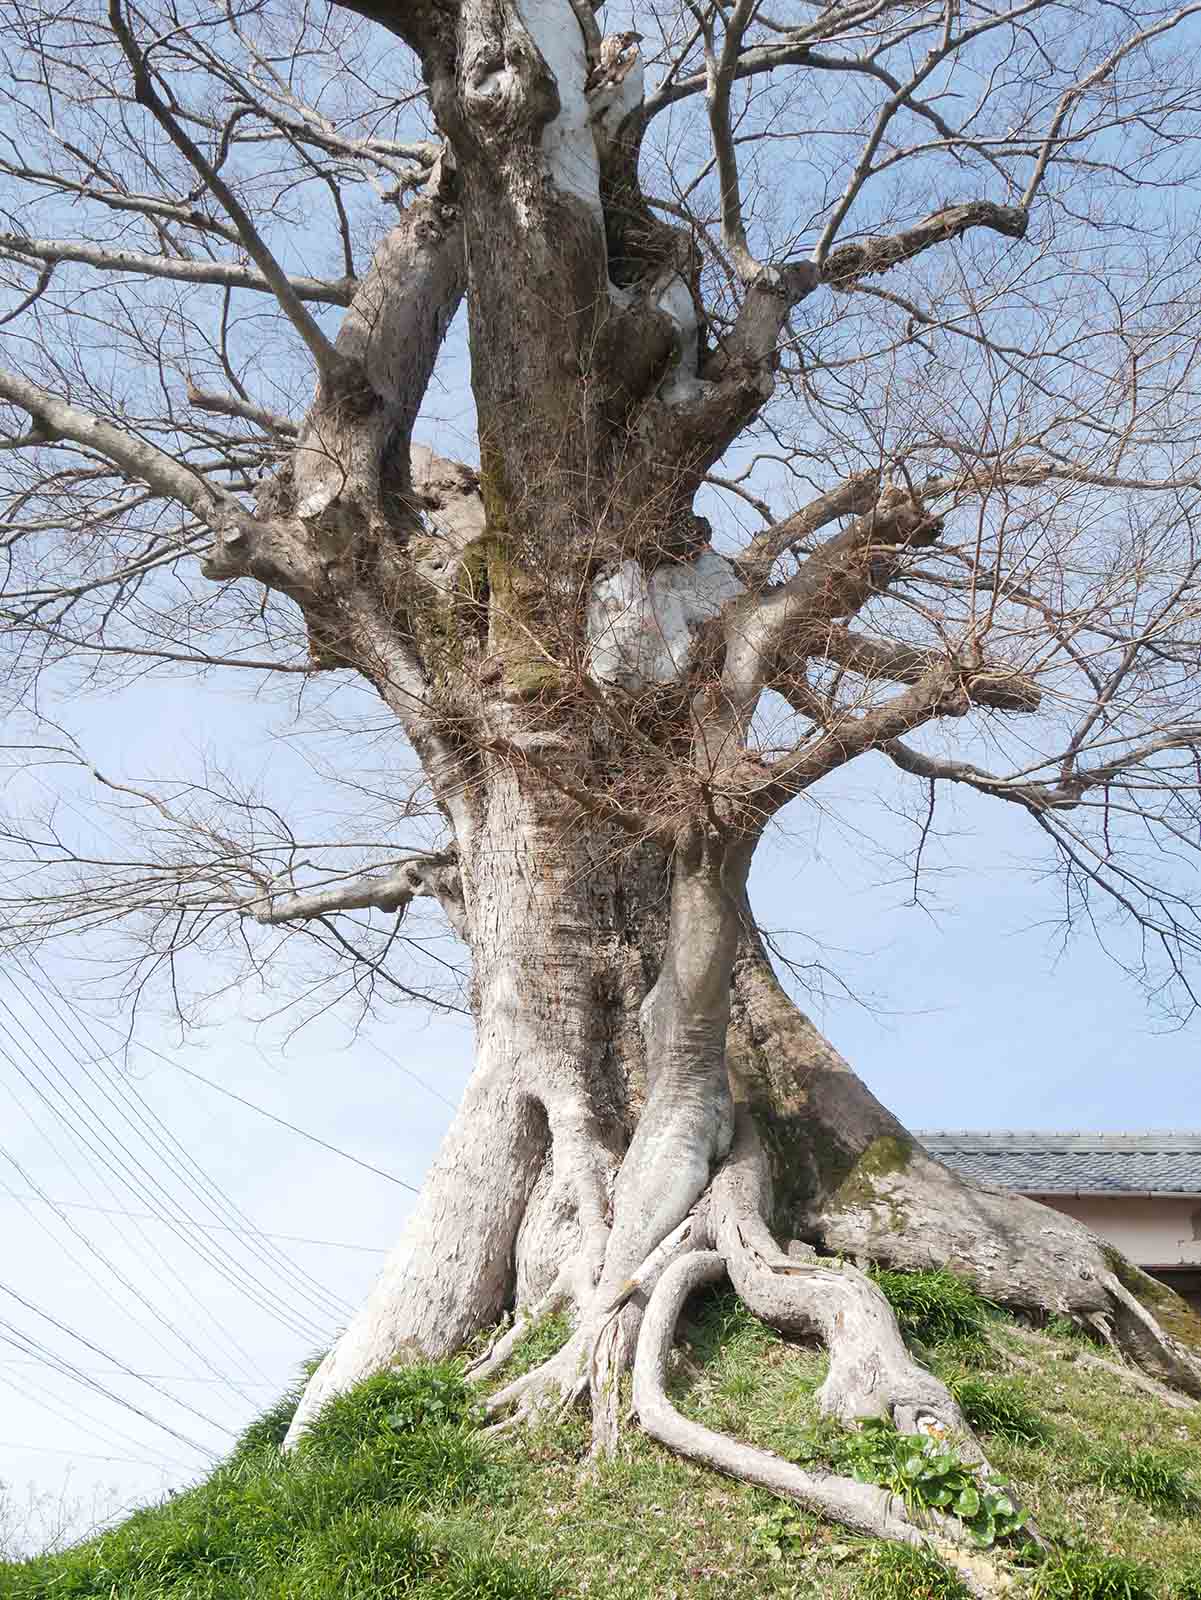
(1074,1163)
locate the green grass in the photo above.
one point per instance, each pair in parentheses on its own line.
(999,1408)
(398,1495)
(894,1572)
(935,1307)
(1082,1576)
(538,1344)
(359,1510)
(1158,1478)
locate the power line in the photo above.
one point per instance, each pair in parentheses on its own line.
(416,1077)
(209,1227)
(164,1145)
(262,1111)
(275,1259)
(325,1145)
(78,1418)
(94,1250)
(58,1363)
(148,1184)
(103,1170)
(83,1455)
(112,1372)
(107,1355)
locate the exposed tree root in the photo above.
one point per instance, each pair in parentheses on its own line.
(601,1349)
(862,1507)
(871,1373)
(1129,1377)
(854,1182)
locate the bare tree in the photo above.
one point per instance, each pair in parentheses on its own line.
(919,269)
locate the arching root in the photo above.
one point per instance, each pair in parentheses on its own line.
(601,1349)
(865,1189)
(871,1372)
(862,1507)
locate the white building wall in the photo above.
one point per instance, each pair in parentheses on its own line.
(1156,1231)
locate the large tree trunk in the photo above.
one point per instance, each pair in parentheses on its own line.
(569,1160)
(517,1203)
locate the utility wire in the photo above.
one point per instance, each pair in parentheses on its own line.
(164,1377)
(22,1342)
(325,1145)
(83,1455)
(106,1355)
(209,1227)
(160,1263)
(233,1271)
(84,1267)
(408,1071)
(97,1072)
(271,1116)
(76,1416)
(299,1280)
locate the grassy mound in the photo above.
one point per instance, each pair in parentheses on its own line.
(396,1492)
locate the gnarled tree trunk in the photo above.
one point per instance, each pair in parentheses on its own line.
(582,675)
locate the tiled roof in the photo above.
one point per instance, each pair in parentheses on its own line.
(1074,1163)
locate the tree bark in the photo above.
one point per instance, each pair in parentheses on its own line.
(518,1200)
(853,1181)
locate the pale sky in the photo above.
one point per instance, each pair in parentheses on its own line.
(975,1020)
(964,1012)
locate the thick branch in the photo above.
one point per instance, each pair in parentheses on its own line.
(994,687)
(329,364)
(854,497)
(225,274)
(1036,796)
(748,356)
(850,262)
(229,405)
(834,582)
(719,80)
(56,419)
(435,876)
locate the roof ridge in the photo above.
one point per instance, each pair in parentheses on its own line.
(1186,1135)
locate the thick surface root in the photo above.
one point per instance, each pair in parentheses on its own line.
(871,1372)
(856,1184)
(862,1507)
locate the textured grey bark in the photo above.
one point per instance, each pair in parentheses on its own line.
(852,1180)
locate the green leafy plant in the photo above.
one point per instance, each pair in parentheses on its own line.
(998,1408)
(1158,1478)
(1082,1575)
(897,1572)
(933,1307)
(780,1530)
(928,1474)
